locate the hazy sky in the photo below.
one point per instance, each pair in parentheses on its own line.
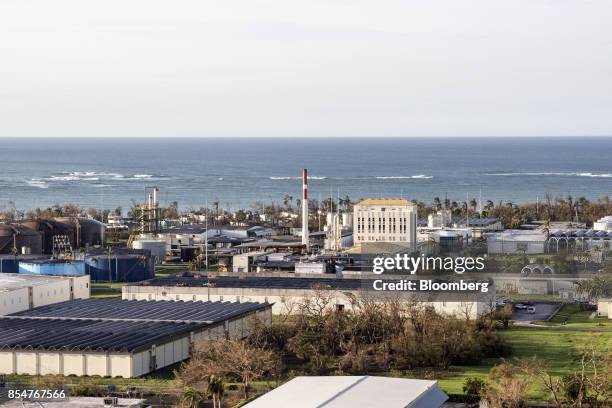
(305,68)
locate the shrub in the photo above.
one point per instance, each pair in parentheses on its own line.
(473,386)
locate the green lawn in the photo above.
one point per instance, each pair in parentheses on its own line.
(106,290)
(573,316)
(558,348)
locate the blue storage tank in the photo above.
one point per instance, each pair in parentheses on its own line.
(120,267)
(10,263)
(53,267)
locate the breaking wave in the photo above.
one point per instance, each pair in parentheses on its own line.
(566,174)
(418,176)
(297,178)
(38,183)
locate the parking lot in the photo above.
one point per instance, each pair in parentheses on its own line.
(543,311)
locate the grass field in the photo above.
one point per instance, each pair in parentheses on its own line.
(106,290)
(559,348)
(573,316)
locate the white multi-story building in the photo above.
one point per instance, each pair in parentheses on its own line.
(385,220)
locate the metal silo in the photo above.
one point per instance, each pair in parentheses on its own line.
(50,229)
(87,232)
(15,238)
(120,267)
(156,247)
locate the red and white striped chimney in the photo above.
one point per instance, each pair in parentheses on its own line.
(305,208)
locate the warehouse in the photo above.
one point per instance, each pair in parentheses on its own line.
(117,338)
(284,292)
(20,292)
(353,391)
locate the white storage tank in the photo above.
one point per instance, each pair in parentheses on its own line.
(347,219)
(156,246)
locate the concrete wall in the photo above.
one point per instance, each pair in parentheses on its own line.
(14,301)
(53,291)
(81,287)
(604,308)
(285,300)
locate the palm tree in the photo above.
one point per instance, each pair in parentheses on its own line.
(473,204)
(345,202)
(191,398)
(215,388)
(287,200)
(437,203)
(216,206)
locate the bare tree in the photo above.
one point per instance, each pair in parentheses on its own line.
(229,359)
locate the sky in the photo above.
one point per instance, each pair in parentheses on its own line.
(282,68)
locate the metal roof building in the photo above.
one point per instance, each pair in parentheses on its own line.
(283,292)
(20,292)
(113,337)
(354,392)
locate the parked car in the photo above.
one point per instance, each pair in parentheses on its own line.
(531,310)
(520,306)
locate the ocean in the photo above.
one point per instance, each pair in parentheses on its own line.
(108,173)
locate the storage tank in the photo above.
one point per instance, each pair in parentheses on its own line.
(87,232)
(49,229)
(347,219)
(120,267)
(10,263)
(155,246)
(14,237)
(188,253)
(52,267)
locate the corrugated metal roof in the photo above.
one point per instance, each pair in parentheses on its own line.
(113,324)
(108,335)
(151,311)
(260,282)
(353,391)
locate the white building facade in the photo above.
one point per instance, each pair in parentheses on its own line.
(385,220)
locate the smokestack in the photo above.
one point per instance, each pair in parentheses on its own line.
(305,208)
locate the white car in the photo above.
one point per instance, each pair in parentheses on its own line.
(531,310)
(520,306)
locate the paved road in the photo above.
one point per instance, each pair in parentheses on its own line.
(543,311)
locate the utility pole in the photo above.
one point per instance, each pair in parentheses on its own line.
(206,236)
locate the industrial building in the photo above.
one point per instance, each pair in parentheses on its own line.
(116,338)
(20,292)
(362,391)
(284,292)
(516,242)
(385,220)
(603,224)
